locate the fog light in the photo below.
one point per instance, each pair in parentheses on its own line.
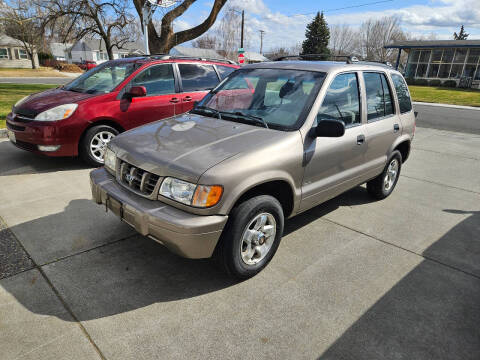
(48,147)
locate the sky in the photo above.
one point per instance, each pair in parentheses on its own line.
(284,21)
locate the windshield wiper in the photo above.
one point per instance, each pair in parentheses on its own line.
(79,90)
(256,119)
(202,107)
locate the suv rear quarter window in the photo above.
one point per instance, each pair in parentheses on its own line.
(404,101)
(197,77)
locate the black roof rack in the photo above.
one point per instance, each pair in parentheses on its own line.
(182,57)
(348,58)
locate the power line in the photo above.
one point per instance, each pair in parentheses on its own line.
(345,8)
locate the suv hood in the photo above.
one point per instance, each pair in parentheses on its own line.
(37,103)
(186,146)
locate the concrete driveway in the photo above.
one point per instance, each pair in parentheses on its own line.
(352,279)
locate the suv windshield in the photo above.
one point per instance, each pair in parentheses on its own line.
(103,78)
(273,98)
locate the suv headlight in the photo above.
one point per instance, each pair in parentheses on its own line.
(57,113)
(191,194)
(110,160)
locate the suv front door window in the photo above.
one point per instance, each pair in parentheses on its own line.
(333,164)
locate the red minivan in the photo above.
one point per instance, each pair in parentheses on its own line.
(81,117)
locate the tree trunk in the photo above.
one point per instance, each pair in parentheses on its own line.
(32,59)
(163,43)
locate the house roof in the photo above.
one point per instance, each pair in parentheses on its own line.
(253,56)
(9,41)
(99,44)
(433,44)
(195,52)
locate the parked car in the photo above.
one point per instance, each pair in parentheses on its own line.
(81,117)
(87,64)
(220,180)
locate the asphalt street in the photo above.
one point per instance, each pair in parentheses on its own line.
(353,278)
(36,80)
(448,118)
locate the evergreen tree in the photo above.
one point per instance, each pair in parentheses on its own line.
(462,35)
(317,37)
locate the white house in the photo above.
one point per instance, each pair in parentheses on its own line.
(61,51)
(94,50)
(195,52)
(13,54)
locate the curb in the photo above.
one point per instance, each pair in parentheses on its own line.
(447,105)
(3,133)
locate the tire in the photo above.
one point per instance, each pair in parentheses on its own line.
(233,251)
(93,137)
(383,185)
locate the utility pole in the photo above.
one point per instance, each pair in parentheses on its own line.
(243,24)
(261,40)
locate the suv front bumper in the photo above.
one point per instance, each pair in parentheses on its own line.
(188,235)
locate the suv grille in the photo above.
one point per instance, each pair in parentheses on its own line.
(138,179)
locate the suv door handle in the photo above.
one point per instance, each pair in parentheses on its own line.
(360,139)
(174,100)
(396,128)
(187,98)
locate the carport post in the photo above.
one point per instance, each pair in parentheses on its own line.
(398,58)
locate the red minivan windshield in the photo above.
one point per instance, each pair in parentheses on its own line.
(103,78)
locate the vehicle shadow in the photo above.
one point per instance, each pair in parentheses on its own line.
(14,161)
(128,274)
(431,313)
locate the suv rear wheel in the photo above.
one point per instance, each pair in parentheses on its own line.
(95,142)
(251,237)
(383,185)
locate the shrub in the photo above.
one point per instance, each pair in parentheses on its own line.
(44,57)
(421,82)
(410,81)
(435,82)
(450,83)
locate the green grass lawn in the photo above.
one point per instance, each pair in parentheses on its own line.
(467,97)
(11,93)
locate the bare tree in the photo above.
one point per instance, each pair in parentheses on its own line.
(343,40)
(166,38)
(209,41)
(23,21)
(375,34)
(110,20)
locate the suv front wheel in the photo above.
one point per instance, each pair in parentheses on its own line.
(251,236)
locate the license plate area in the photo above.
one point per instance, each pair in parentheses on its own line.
(11,136)
(114,205)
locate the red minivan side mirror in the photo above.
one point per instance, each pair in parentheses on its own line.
(137,91)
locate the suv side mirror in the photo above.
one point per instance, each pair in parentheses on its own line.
(330,128)
(137,91)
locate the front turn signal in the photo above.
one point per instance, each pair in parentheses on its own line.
(207,196)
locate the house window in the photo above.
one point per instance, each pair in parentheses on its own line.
(22,53)
(3,53)
(102,55)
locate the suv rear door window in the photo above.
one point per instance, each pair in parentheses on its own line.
(404,101)
(197,77)
(379,98)
(224,71)
(342,100)
(157,79)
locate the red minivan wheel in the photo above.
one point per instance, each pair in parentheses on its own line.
(94,143)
